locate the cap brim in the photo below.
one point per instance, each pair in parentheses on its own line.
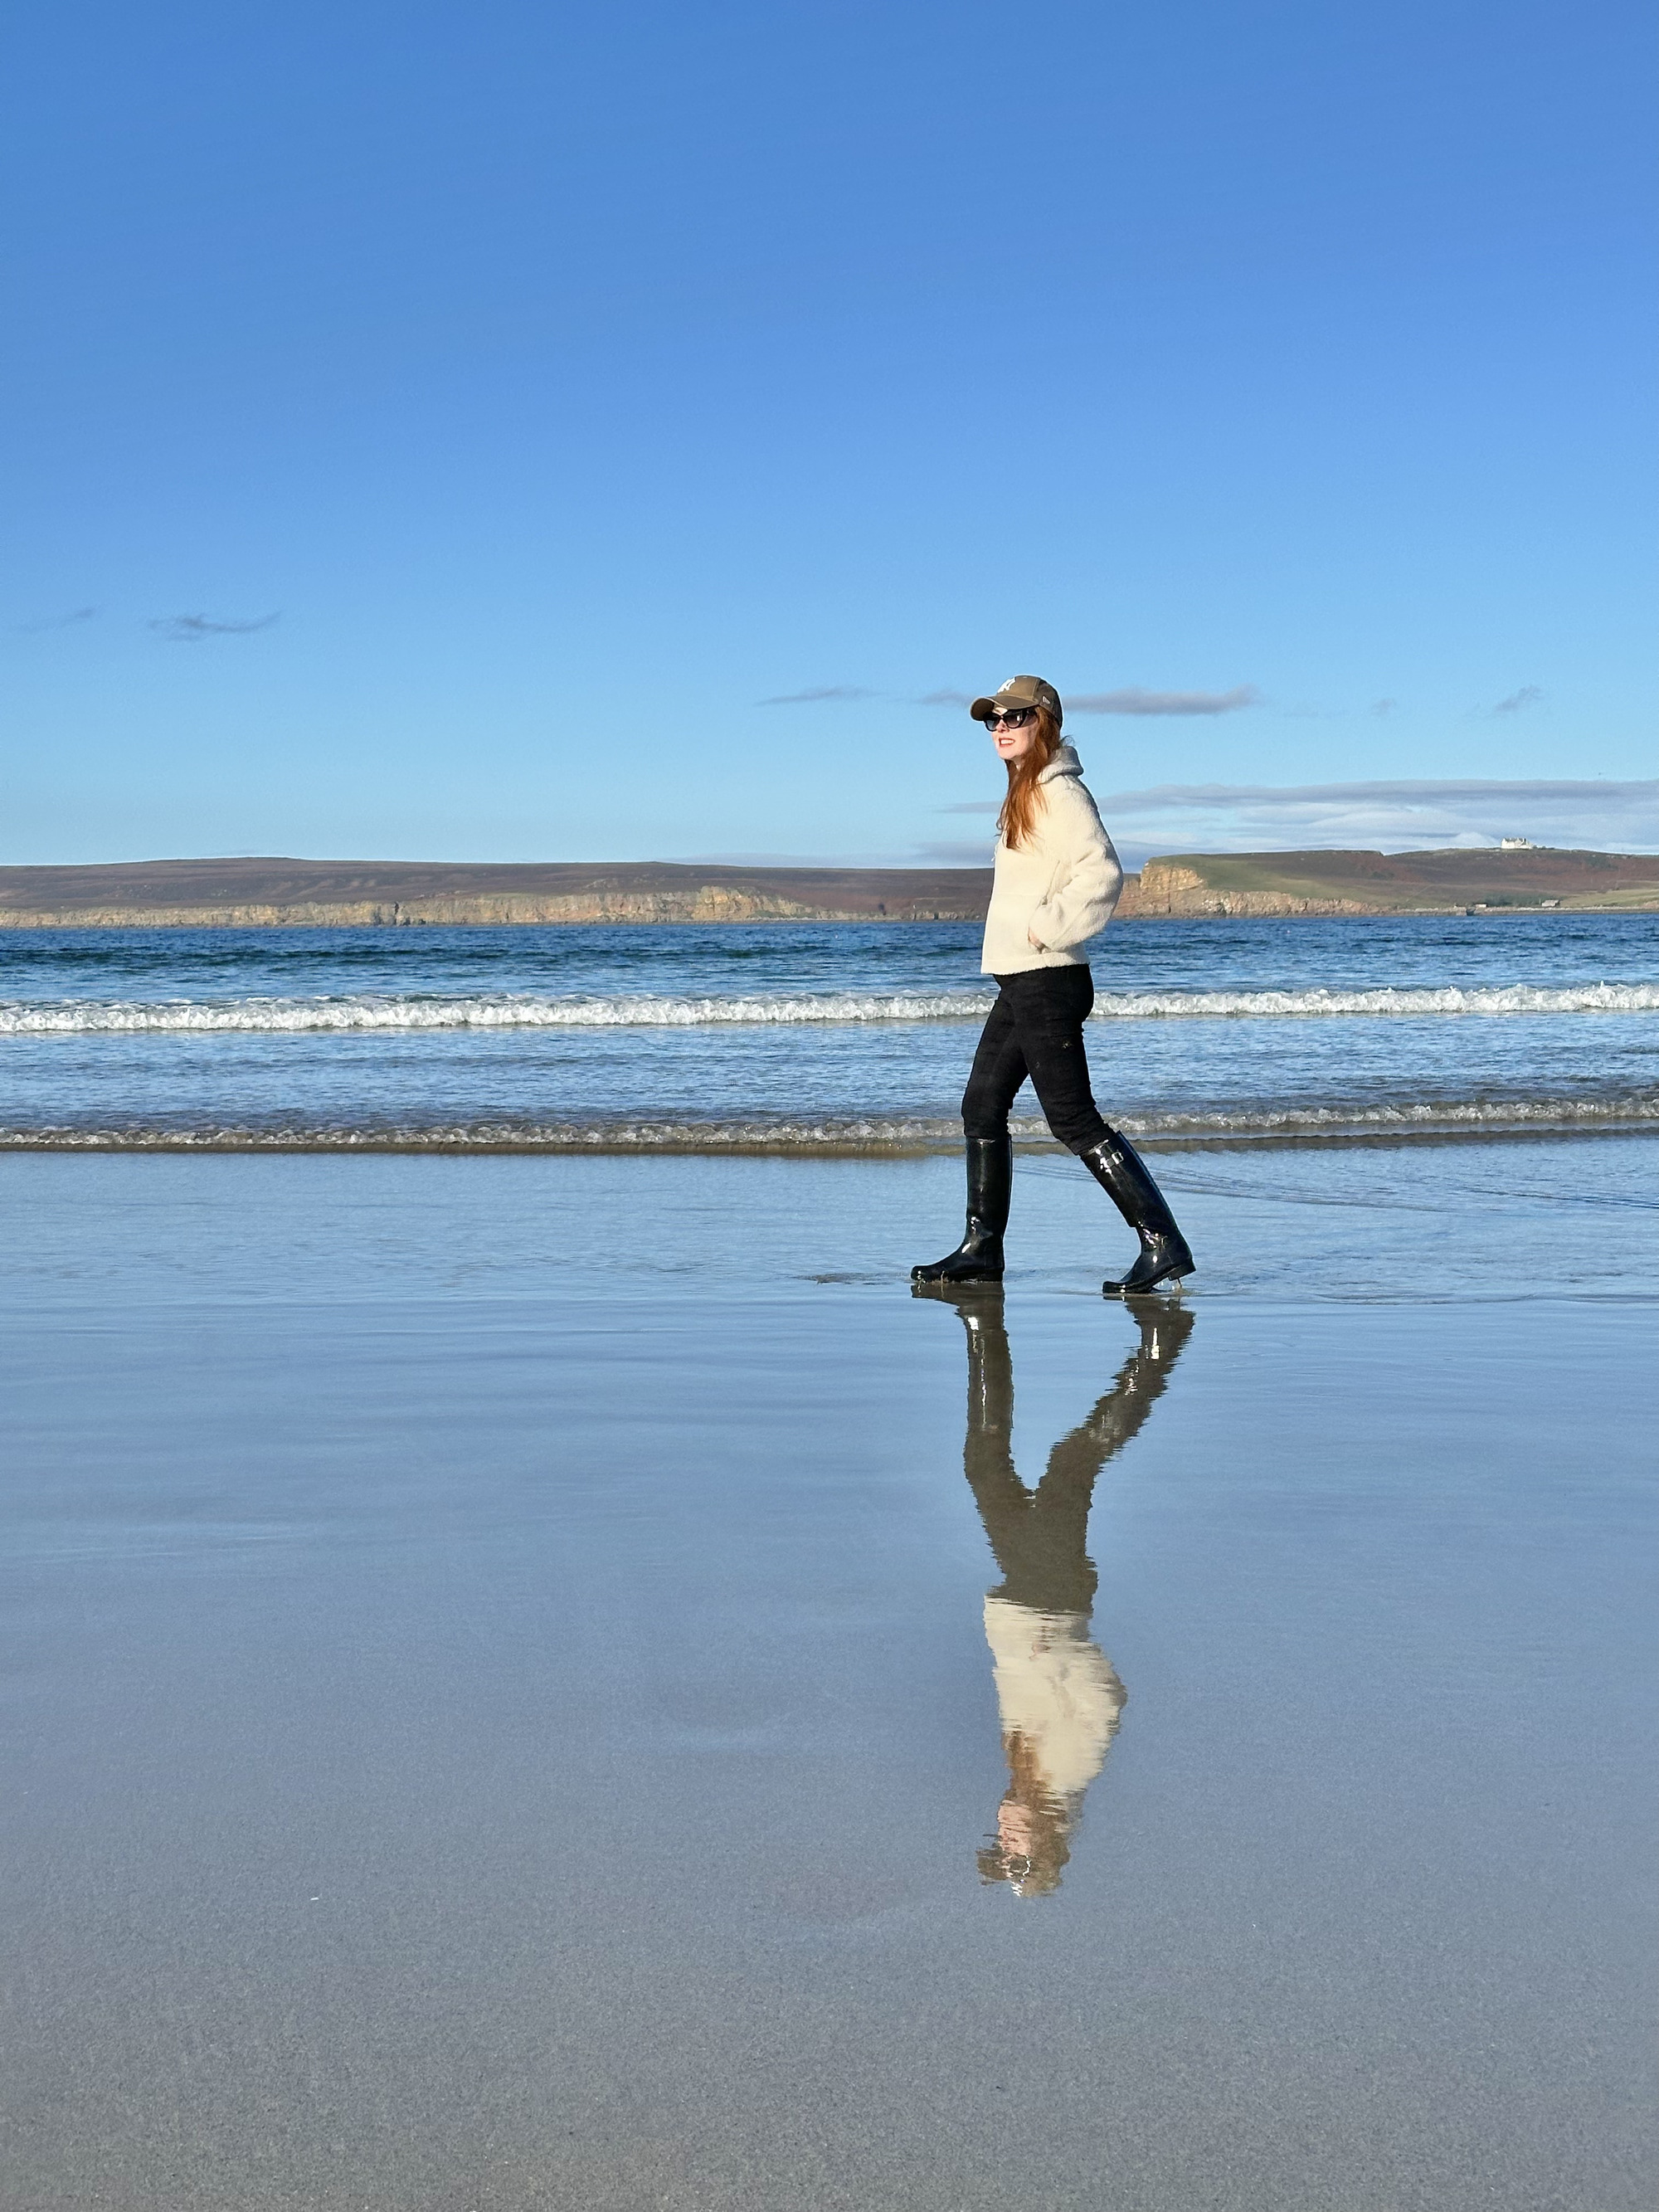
(982,709)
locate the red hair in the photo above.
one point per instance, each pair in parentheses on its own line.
(1018,818)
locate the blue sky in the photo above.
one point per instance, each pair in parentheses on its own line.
(523,432)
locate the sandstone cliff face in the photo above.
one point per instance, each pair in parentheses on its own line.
(710,903)
(1169,887)
(244,893)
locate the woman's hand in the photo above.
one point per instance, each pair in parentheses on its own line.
(1035,941)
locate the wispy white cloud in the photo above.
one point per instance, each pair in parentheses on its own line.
(1397,815)
(946,699)
(1137,702)
(1407,815)
(191,629)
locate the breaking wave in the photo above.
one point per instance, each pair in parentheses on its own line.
(858,1133)
(527,1011)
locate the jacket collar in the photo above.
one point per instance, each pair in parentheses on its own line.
(1064,762)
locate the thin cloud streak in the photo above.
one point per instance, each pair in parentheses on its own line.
(1137,702)
(818,695)
(954,854)
(1405,814)
(191,629)
(55,622)
(771,860)
(1529,694)
(1421,790)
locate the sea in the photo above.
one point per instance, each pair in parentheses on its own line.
(818,1037)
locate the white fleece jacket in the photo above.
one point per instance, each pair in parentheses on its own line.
(1060,887)
(1056,1688)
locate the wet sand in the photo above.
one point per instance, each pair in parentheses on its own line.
(502,1708)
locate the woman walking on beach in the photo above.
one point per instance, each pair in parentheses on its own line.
(1057,881)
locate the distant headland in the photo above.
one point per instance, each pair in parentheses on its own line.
(275,893)
(1516,878)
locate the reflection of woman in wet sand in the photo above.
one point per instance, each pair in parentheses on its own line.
(1059,1696)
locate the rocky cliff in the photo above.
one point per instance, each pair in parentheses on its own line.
(1193,885)
(277,894)
(345,894)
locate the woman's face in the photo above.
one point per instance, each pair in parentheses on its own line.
(1016,1827)
(1014,743)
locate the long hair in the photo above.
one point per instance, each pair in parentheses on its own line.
(1035,1872)
(1018,816)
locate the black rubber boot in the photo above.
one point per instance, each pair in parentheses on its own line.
(1124,1176)
(978,1258)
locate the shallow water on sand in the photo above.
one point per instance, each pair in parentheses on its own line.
(503,1708)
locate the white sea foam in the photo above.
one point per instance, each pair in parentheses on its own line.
(1507,998)
(1332,1123)
(527,1011)
(498,1011)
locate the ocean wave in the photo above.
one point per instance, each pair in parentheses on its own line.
(502,1010)
(1506,999)
(527,1011)
(858,1133)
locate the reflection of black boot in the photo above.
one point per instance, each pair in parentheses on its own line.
(1124,1176)
(1165,1325)
(978,1258)
(990,1379)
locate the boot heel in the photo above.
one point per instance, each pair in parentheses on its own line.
(1124,1176)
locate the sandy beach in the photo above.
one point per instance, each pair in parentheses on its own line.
(638,642)
(500,1714)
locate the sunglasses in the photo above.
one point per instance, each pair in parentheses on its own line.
(1015,718)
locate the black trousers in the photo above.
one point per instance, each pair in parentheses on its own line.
(1035,1029)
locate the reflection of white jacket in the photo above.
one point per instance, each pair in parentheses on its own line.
(1059,886)
(1056,1689)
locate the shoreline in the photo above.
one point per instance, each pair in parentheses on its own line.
(336,1145)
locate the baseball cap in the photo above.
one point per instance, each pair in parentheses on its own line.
(1019,691)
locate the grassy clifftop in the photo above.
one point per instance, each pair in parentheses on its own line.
(347,894)
(1196,884)
(252,894)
